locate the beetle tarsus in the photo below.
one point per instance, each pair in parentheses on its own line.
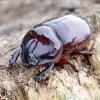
(14,58)
(88,53)
(92,47)
(44,72)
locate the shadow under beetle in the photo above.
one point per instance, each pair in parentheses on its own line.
(48,43)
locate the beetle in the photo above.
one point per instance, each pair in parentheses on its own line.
(49,42)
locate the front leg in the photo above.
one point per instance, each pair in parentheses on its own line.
(44,72)
(14,58)
(12,61)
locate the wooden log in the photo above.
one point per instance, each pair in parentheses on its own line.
(95,58)
(18,82)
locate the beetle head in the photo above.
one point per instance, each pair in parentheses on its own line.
(27,53)
(32,49)
(27,47)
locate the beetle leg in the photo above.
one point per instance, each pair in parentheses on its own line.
(92,47)
(44,72)
(88,53)
(64,61)
(14,58)
(83,52)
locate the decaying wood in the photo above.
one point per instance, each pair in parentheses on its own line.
(18,82)
(95,58)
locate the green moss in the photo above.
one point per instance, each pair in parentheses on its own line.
(98,98)
(61,97)
(97,19)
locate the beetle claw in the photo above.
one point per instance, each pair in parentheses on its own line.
(38,78)
(10,63)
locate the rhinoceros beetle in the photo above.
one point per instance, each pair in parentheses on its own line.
(47,43)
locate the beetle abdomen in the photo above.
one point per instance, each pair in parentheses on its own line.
(71,30)
(74,30)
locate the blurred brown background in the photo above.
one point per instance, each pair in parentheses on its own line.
(18,15)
